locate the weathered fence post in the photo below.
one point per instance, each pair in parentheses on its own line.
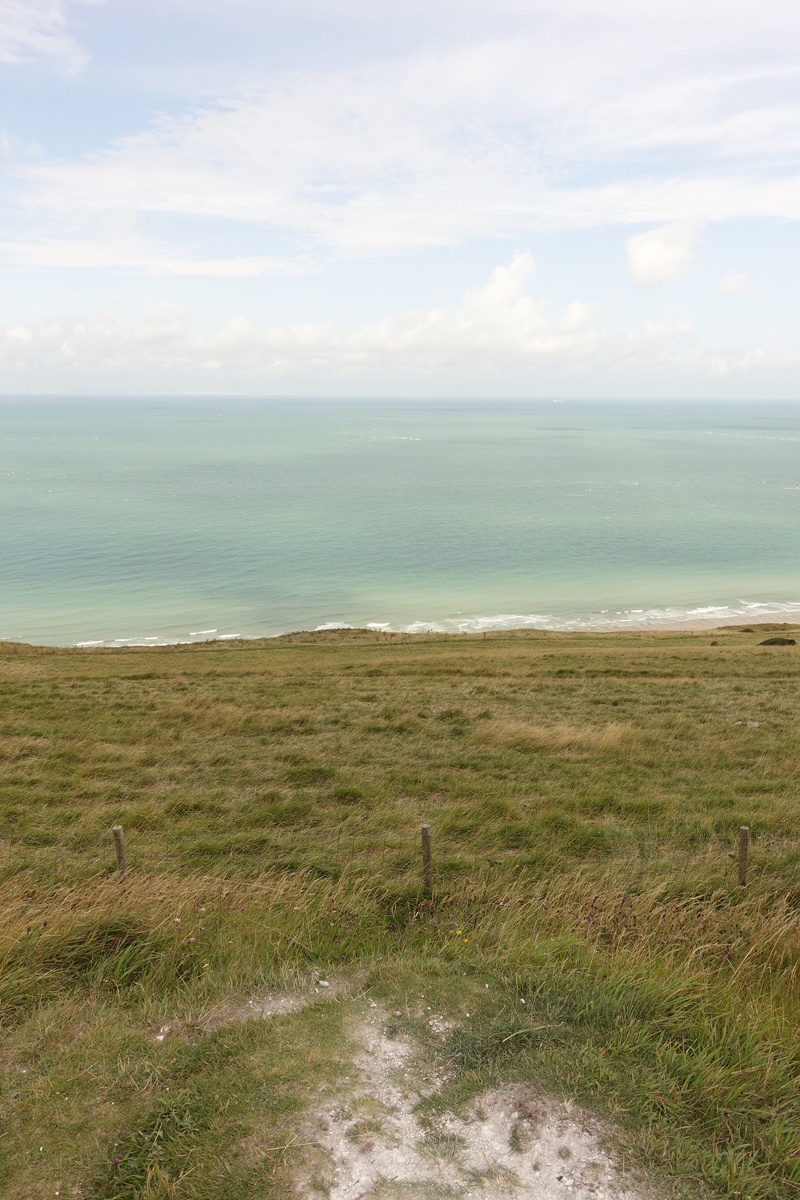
(427,858)
(119,846)
(744,848)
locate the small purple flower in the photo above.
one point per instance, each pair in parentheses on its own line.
(116,1162)
(44,923)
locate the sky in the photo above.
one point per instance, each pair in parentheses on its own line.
(522,198)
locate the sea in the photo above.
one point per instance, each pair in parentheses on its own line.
(179,519)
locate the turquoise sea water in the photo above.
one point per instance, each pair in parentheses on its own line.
(172,520)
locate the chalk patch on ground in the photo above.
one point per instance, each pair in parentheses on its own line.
(442,1027)
(274,1004)
(369,1143)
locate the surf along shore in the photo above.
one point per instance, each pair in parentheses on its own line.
(585,939)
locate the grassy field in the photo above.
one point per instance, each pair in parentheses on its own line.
(584,793)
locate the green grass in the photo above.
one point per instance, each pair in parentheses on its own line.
(585,793)
(373,734)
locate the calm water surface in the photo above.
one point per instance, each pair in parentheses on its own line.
(171,520)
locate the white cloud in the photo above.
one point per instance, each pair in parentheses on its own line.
(498,339)
(136,255)
(497,327)
(662,255)
(478,120)
(17,147)
(37,29)
(495,137)
(746,362)
(735,284)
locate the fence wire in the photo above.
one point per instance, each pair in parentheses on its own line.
(769,859)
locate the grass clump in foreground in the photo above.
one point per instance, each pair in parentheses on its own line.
(271,795)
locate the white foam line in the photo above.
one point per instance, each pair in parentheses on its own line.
(701,616)
(636,618)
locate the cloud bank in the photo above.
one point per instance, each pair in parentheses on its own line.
(497,327)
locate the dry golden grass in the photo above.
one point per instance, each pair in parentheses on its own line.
(554,739)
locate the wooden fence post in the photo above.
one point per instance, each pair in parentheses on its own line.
(427,858)
(744,847)
(119,846)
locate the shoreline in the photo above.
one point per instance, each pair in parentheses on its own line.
(673,619)
(436,630)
